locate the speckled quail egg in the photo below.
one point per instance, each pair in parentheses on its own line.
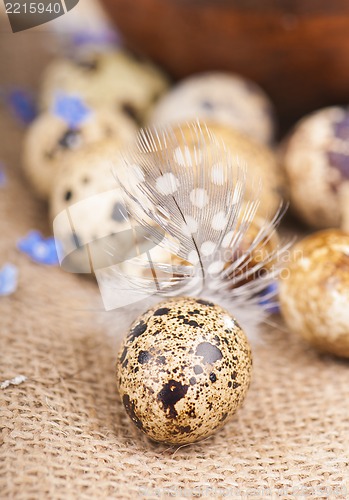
(315,157)
(50,141)
(221,98)
(183,369)
(90,216)
(117,79)
(259,160)
(314,291)
(256,253)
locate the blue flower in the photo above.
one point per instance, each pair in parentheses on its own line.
(23,105)
(71,109)
(269,298)
(2,176)
(8,279)
(105,36)
(39,249)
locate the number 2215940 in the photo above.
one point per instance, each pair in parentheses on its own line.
(32,8)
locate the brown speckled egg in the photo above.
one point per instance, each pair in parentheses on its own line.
(50,141)
(314,291)
(183,370)
(315,157)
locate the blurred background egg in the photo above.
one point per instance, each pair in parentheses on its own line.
(261,163)
(88,211)
(297,51)
(118,80)
(51,140)
(315,157)
(219,97)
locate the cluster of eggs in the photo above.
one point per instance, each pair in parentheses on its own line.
(70,164)
(185,366)
(193,378)
(314,295)
(90,107)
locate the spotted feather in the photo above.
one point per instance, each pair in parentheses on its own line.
(191,196)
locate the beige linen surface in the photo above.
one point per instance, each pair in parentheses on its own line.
(64,432)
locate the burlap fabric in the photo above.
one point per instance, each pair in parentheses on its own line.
(64,433)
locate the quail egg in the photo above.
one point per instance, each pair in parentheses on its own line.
(90,217)
(118,80)
(218,97)
(50,140)
(315,157)
(314,291)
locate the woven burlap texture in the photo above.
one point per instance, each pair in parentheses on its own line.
(64,432)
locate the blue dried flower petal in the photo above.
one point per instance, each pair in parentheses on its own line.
(8,279)
(3,178)
(40,250)
(269,298)
(71,109)
(23,105)
(26,243)
(105,36)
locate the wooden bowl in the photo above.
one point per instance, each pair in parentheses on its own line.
(297,50)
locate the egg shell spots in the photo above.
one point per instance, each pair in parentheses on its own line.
(183,369)
(314,295)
